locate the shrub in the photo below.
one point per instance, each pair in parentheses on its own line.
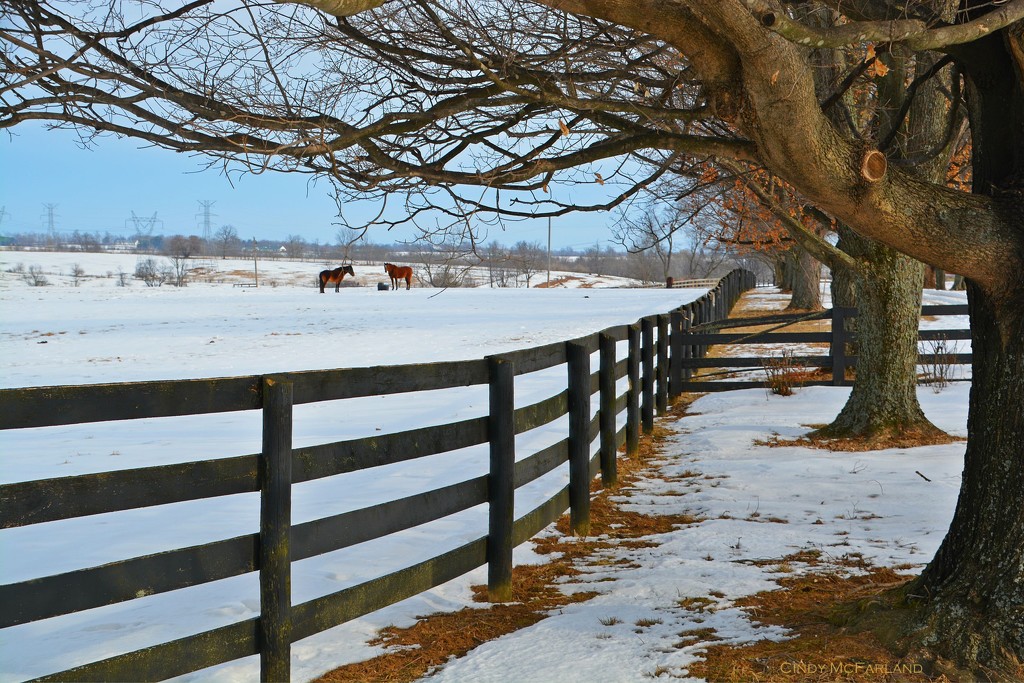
(783,373)
(34,277)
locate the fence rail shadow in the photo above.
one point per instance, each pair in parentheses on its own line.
(662,351)
(649,364)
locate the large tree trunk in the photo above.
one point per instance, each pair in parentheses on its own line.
(806,281)
(887,284)
(883,402)
(974,587)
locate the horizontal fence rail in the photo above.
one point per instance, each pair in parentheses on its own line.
(654,367)
(841,339)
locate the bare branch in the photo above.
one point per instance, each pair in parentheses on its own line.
(914,33)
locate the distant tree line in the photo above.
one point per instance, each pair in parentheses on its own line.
(445,264)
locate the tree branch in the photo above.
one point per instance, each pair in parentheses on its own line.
(914,33)
(807,239)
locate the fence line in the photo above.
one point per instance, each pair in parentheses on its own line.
(840,338)
(654,370)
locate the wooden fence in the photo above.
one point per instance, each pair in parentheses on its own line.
(654,368)
(840,338)
(701,283)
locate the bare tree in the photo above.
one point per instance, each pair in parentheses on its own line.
(347,239)
(454,109)
(77,273)
(149,272)
(498,262)
(227,240)
(180,250)
(34,276)
(528,258)
(445,264)
(653,228)
(295,246)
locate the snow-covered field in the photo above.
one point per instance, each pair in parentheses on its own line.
(870,503)
(101,332)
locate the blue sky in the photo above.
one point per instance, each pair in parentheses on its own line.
(97,189)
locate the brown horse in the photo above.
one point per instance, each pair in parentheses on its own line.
(399,273)
(335,277)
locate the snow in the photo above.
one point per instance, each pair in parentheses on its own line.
(870,503)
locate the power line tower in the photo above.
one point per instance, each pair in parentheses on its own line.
(51,221)
(144,226)
(3,214)
(206,205)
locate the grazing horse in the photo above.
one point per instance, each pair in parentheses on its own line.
(399,273)
(335,277)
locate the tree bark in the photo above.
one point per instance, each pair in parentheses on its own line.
(883,402)
(842,288)
(887,285)
(973,590)
(929,277)
(805,273)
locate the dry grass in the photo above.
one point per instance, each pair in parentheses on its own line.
(902,438)
(820,650)
(749,308)
(558,281)
(433,639)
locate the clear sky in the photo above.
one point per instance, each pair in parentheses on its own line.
(97,189)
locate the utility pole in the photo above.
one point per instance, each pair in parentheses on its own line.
(255,271)
(549,251)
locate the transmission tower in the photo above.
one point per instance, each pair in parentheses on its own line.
(144,226)
(51,220)
(3,214)
(206,205)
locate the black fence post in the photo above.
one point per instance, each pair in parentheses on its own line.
(837,350)
(661,395)
(647,381)
(578,359)
(701,310)
(609,469)
(275,468)
(676,359)
(633,393)
(501,436)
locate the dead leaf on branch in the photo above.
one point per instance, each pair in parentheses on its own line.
(876,69)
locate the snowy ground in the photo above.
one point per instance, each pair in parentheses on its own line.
(759,504)
(871,503)
(100,332)
(770,300)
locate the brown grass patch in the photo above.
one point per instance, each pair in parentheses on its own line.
(434,638)
(557,281)
(820,650)
(905,438)
(795,376)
